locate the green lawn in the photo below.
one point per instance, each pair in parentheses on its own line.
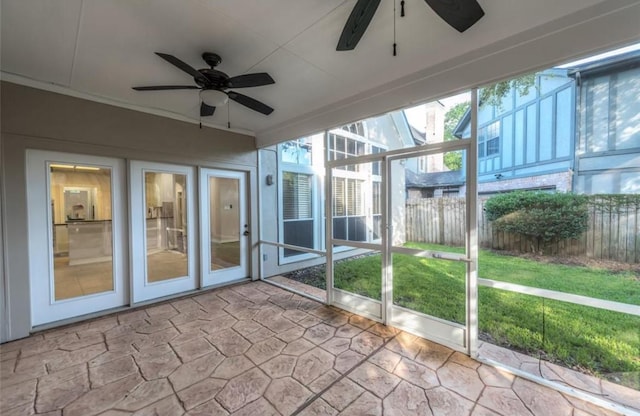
(577,336)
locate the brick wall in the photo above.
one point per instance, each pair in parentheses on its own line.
(561,181)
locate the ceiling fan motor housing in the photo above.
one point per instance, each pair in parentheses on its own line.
(217,79)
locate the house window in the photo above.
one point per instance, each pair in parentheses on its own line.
(349,221)
(489,140)
(297,151)
(341,147)
(422,164)
(376,209)
(297,211)
(376,167)
(297,198)
(355,128)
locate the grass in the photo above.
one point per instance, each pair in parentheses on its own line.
(582,337)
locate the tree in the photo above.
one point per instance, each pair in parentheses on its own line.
(453,160)
(493,94)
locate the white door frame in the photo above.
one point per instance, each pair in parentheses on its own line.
(230,274)
(456,336)
(44,308)
(143,290)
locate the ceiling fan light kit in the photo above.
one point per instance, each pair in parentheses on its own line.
(214,85)
(213,98)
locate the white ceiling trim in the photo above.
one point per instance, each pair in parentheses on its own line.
(591,30)
(59,89)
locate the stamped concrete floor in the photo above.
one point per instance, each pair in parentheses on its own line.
(256,350)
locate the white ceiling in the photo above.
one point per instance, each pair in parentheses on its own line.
(99,49)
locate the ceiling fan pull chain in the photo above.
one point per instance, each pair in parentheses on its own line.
(402,8)
(395,45)
(200,112)
(228,115)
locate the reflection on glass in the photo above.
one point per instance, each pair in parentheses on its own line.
(430,286)
(166,225)
(224,214)
(81,230)
(361,274)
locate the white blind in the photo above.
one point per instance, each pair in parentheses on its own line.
(296,196)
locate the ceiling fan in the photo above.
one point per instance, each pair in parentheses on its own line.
(214,85)
(460,14)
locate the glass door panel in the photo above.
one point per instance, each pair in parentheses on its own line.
(224,219)
(428,247)
(356,237)
(81,208)
(162,234)
(76,226)
(166,245)
(224,227)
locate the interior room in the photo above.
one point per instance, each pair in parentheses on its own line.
(311,207)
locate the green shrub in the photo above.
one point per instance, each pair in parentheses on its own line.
(541,215)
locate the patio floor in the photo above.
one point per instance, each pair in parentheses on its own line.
(255,349)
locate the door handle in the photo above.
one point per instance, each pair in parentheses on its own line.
(246,232)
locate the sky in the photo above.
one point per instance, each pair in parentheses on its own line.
(416,115)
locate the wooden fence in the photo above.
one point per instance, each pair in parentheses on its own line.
(613,232)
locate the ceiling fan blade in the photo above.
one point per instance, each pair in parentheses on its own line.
(251,80)
(166,87)
(250,103)
(183,66)
(357,23)
(206,110)
(460,14)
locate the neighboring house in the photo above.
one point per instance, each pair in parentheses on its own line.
(294,211)
(427,176)
(577,130)
(607,152)
(435,185)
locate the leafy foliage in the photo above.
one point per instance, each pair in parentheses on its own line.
(453,160)
(542,215)
(493,94)
(452,118)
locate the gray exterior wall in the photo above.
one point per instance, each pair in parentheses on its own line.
(36,119)
(608,145)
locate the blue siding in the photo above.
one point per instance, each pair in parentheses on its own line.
(532,134)
(545,128)
(507,141)
(564,121)
(519,138)
(536,130)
